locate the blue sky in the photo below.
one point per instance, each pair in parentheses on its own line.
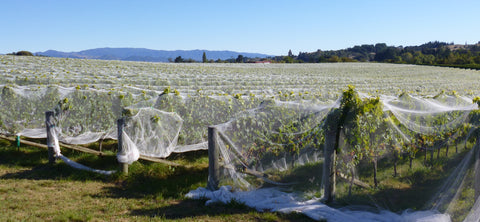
(263,26)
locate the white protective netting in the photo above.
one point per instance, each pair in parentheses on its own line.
(153,132)
(22,109)
(393,154)
(52,141)
(84,115)
(261,146)
(200,111)
(420,114)
(80,116)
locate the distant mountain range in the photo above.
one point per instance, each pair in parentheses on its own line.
(148,55)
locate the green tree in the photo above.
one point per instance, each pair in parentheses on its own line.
(24,53)
(179,59)
(477,59)
(418,57)
(334,59)
(204,58)
(347,59)
(429,59)
(379,47)
(407,57)
(386,55)
(239,59)
(288,59)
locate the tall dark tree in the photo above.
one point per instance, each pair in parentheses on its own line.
(239,59)
(204,58)
(290,54)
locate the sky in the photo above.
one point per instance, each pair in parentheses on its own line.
(262,26)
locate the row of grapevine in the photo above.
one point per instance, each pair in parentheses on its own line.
(358,151)
(85,115)
(326,80)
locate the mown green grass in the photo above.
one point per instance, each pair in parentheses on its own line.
(33,190)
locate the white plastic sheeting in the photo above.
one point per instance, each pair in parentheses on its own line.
(83,167)
(274,200)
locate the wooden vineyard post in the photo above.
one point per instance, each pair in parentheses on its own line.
(213,154)
(50,140)
(120,124)
(331,143)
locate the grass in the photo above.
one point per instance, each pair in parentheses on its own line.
(33,190)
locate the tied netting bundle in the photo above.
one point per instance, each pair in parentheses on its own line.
(370,158)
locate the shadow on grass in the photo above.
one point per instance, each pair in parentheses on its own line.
(393,199)
(159,181)
(197,208)
(11,156)
(32,163)
(145,178)
(190,157)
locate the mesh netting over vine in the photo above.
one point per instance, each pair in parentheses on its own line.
(22,109)
(381,153)
(370,151)
(200,111)
(262,146)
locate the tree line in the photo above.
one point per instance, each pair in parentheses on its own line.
(240,59)
(21,53)
(431,53)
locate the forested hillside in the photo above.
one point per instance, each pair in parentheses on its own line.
(431,53)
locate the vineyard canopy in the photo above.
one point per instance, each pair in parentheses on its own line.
(292,128)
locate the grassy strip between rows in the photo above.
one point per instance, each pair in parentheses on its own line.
(33,190)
